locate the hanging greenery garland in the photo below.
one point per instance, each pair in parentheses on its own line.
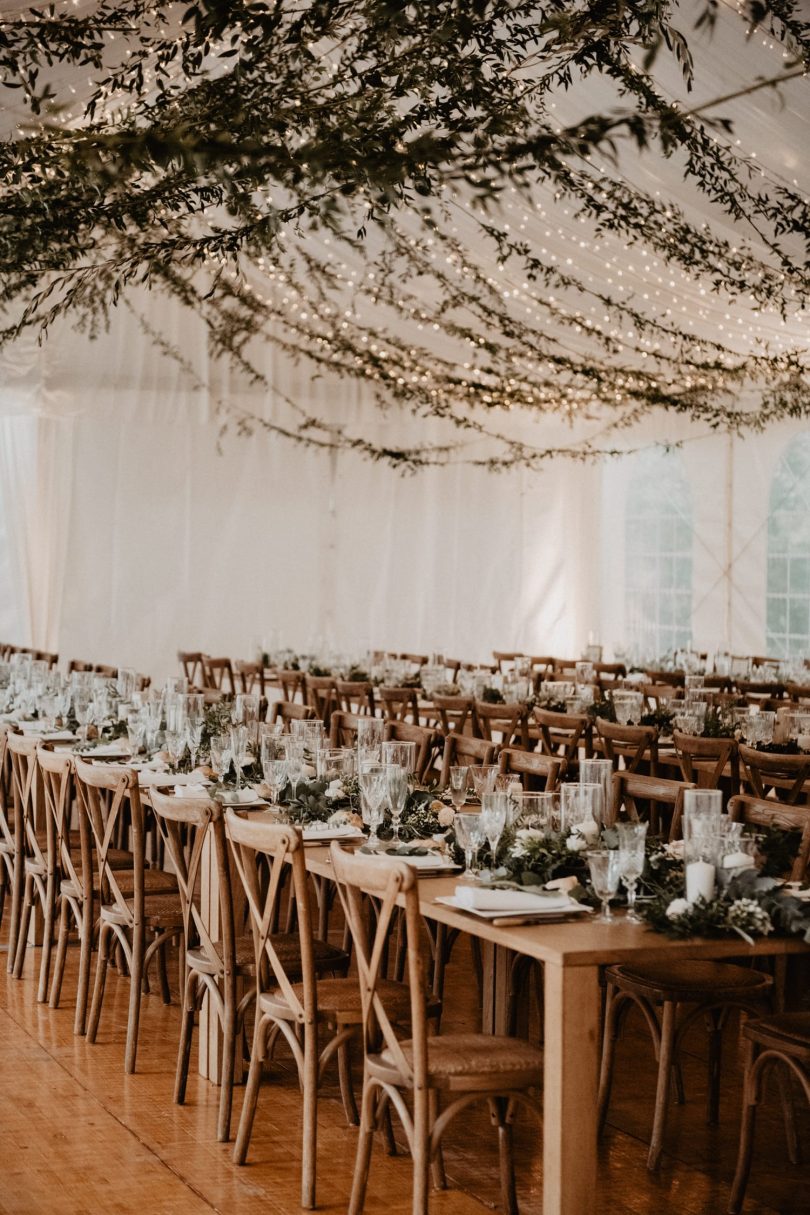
(360,183)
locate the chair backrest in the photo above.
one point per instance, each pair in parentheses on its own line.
(191,662)
(454,712)
(658,695)
(105,669)
(291,682)
(343,729)
(609,672)
(785,776)
(704,760)
(281,844)
(6,795)
(187,826)
(77,664)
(355,696)
(634,744)
(417,660)
(25,788)
(249,677)
(630,787)
(218,673)
(505,658)
(765,812)
(538,772)
(289,710)
(675,678)
(399,704)
(510,721)
(464,749)
(388,882)
(427,742)
(562,733)
(322,695)
(110,798)
(56,769)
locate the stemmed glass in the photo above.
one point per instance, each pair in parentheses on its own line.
(220,754)
(458,785)
(295,763)
(604,867)
(136,729)
(631,861)
(195,722)
(274,763)
(239,750)
(246,713)
(483,778)
(403,754)
(397,791)
(494,809)
(370,732)
(83,708)
(470,836)
(374,789)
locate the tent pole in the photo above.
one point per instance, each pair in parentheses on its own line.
(729,613)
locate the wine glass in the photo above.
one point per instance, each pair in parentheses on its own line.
(494,809)
(397,791)
(483,778)
(631,861)
(370,732)
(136,729)
(373,788)
(83,708)
(604,868)
(246,713)
(239,750)
(273,756)
(295,763)
(195,723)
(470,836)
(402,753)
(458,785)
(220,754)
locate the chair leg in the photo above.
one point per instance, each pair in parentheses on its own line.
(134,1016)
(101,978)
(344,1057)
(421,1152)
(163,973)
(438,1174)
(715,1026)
(502,1117)
(3,884)
(747,1127)
(17,885)
(664,1081)
(251,1095)
(309,1144)
(85,964)
(22,931)
(47,940)
(789,1115)
(61,953)
(229,1036)
(365,1142)
(609,1037)
(186,1035)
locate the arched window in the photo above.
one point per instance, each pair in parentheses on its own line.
(658,554)
(788,592)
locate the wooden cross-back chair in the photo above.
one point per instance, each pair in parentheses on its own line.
(11,845)
(343,729)
(416,660)
(461,1068)
(136,902)
(704,761)
(291,683)
(35,862)
(511,722)
(506,658)
(289,710)
(218,674)
(764,812)
(562,734)
(293,998)
(539,773)
(249,677)
(191,662)
(660,695)
(454,713)
(427,743)
(321,694)
(608,673)
(634,746)
(784,777)
(461,749)
(663,800)
(215,959)
(355,696)
(399,704)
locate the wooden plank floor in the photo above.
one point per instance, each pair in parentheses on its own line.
(79,1138)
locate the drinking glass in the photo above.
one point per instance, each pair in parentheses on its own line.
(334,763)
(136,729)
(494,809)
(631,861)
(470,836)
(239,750)
(582,807)
(194,705)
(483,778)
(246,713)
(604,867)
(83,708)
(538,811)
(598,772)
(370,731)
(125,683)
(295,763)
(629,707)
(273,755)
(397,792)
(176,743)
(175,685)
(458,785)
(402,753)
(220,754)
(373,790)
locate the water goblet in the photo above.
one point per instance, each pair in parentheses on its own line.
(470,836)
(631,861)
(373,789)
(604,869)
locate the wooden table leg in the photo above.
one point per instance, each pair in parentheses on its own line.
(570,1089)
(496,965)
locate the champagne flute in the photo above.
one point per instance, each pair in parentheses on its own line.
(239,749)
(397,790)
(470,836)
(494,808)
(220,754)
(631,861)
(373,789)
(604,868)
(295,763)
(458,785)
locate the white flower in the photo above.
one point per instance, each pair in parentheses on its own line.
(589,830)
(334,791)
(307,772)
(674,850)
(576,843)
(563,884)
(677,908)
(527,835)
(446,816)
(345,818)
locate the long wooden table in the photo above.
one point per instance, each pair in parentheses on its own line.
(572,953)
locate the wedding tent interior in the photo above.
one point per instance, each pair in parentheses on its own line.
(405,538)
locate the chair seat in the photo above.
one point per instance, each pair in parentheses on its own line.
(155,881)
(690,981)
(160,911)
(197,959)
(469,1061)
(340,1000)
(786,1031)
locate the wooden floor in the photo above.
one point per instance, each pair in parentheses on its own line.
(79,1138)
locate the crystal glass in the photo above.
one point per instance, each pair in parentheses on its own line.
(629,707)
(702,841)
(334,763)
(582,807)
(125,683)
(136,729)
(246,713)
(539,811)
(273,756)
(310,734)
(83,708)
(220,754)
(598,772)
(175,685)
(176,742)
(239,750)
(604,868)
(397,792)
(760,728)
(494,811)
(294,752)
(458,785)
(370,731)
(470,836)
(374,791)
(402,753)
(483,778)
(632,837)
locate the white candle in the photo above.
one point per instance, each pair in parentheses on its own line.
(804,742)
(699,881)
(738,860)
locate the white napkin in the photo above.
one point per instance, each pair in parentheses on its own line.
(316,831)
(190,791)
(479,898)
(110,748)
(235,797)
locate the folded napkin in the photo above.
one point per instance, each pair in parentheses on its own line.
(190,791)
(479,898)
(111,748)
(58,736)
(314,831)
(235,797)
